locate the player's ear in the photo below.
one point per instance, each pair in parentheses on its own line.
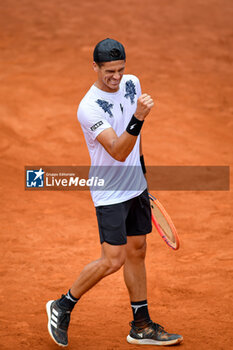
(95,67)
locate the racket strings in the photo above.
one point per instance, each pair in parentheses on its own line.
(163,223)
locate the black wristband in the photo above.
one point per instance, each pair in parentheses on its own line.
(142,164)
(134,126)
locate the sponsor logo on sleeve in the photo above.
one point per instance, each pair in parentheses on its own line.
(96,125)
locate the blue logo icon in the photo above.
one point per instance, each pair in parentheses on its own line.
(35,178)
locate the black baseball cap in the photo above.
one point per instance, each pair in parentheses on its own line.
(109,50)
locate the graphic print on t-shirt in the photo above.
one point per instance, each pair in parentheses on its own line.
(105,106)
(130,90)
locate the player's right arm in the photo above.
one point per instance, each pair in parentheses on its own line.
(120,147)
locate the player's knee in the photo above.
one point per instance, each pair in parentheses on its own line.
(115,264)
(137,251)
(140,252)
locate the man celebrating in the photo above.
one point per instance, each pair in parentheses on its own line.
(111,115)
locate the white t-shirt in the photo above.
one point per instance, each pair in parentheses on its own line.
(100,110)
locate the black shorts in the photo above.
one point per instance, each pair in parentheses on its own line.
(130,218)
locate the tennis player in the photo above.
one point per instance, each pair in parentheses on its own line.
(111,115)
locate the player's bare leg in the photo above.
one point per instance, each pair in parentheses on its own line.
(135,278)
(58,311)
(134,267)
(111,260)
(143,330)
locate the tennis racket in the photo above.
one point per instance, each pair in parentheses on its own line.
(163,223)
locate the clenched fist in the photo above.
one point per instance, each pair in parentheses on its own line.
(144,105)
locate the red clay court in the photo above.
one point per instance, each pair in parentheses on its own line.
(182,52)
